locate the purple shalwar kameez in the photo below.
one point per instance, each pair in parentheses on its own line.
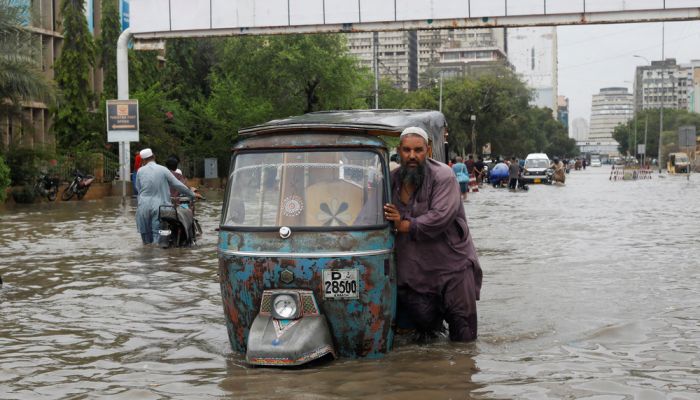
(439,276)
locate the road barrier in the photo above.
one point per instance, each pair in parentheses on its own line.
(630,174)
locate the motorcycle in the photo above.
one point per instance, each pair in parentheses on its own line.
(46,186)
(178,226)
(79,186)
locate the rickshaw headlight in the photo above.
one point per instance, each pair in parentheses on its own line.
(285,306)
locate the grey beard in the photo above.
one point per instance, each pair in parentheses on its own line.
(412,176)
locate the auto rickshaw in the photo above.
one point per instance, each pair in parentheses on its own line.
(678,163)
(306,261)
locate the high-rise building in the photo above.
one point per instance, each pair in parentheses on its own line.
(663,83)
(414,59)
(611,107)
(33,128)
(579,129)
(533,53)
(694,89)
(563,111)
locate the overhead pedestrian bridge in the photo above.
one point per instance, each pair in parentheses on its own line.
(158,19)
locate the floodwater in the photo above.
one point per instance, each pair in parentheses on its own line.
(591,291)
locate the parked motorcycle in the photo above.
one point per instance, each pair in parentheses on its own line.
(178,226)
(46,186)
(79,186)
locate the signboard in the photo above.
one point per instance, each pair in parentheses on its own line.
(686,136)
(124,13)
(180,18)
(641,149)
(122,120)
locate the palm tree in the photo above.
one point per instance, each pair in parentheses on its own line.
(21,78)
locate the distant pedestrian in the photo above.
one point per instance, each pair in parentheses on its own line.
(479,170)
(460,170)
(513,173)
(470,163)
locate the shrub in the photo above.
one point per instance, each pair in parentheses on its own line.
(4,178)
(23,194)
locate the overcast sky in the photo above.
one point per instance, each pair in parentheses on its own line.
(596,56)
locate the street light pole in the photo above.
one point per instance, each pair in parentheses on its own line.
(473,118)
(440,104)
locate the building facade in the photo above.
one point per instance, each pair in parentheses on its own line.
(611,107)
(663,84)
(533,53)
(33,128)
(413,59)
(563,111)
(579,129)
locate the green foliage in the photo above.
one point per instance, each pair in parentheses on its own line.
(186,73)
(4,178)
(144,70)
(162,121)
(107,46)
(21,78)
(23,194)
(71,115)
(25,164)
(624,134)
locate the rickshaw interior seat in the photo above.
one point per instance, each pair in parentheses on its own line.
(333,204)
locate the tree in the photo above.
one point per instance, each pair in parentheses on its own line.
(649,119)
(497,99)
(21,78)
(189,63)
(107,46)
(71,116)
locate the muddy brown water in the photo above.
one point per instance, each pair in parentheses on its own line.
(591,291)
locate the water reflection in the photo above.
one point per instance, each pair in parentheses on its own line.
(590,291)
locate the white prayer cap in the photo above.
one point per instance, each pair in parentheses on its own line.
(178,171)
(414,130)
(146,153)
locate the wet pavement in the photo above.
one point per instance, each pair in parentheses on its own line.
(591,290)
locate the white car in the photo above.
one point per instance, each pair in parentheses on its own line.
(596,163)
(536,168)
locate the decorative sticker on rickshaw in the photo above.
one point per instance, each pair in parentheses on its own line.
(341,284)
(292,206)
(335,214)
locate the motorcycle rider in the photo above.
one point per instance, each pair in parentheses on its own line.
(559,172)
(153,183)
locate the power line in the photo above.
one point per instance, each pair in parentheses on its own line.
(626,54)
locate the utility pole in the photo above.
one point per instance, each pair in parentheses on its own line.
(663,94)
(646,128)
(634,145)
(440,106)
(375,48)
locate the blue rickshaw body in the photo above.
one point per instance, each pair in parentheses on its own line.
(303,204)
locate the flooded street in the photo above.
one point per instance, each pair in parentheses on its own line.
(591,291)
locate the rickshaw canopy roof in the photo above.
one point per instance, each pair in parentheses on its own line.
(372,122)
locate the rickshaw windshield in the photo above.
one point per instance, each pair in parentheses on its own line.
(312,188)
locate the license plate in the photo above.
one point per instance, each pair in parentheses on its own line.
(340,284)
(538,180)
(164,232)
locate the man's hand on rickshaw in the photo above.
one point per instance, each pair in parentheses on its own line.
(391,213)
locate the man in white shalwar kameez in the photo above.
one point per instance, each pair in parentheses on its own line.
(153,183)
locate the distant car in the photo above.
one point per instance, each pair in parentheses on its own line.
(536,168)
(596,163)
